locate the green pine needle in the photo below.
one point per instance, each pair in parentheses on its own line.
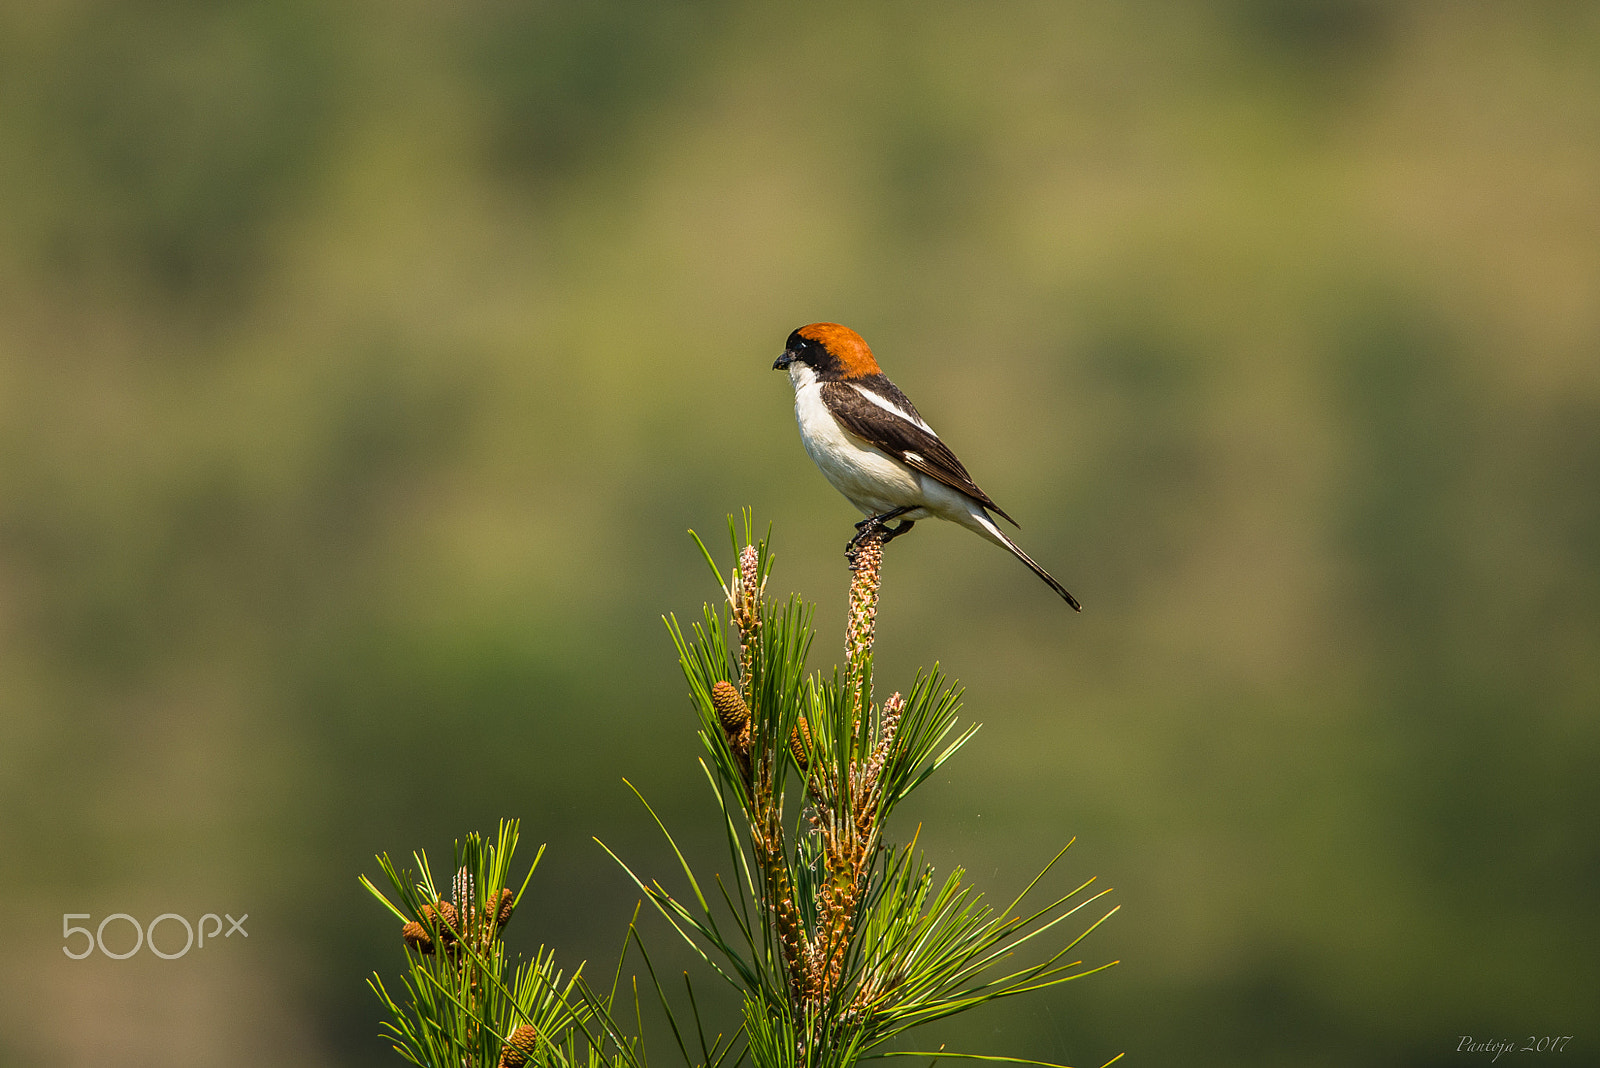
(920,949)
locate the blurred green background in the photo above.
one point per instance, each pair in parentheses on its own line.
(361,367)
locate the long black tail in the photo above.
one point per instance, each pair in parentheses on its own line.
(1042,573)
(999,535)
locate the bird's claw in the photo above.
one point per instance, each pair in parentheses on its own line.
(877,524)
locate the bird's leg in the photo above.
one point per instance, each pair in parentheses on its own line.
(874,524)
(899,529)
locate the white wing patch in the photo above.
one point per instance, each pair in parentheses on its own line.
(914,457)
(891,407)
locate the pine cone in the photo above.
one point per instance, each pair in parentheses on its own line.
(442,914)
(502,916)
(417,937)
(520,1047)
(731,709)
(800,744)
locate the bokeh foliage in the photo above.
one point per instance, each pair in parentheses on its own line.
(361,365)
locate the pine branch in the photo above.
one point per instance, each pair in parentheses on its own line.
(847,942)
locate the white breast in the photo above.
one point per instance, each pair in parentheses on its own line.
(872,480)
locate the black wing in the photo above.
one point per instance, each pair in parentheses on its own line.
(904,440)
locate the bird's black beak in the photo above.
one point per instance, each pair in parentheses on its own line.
(782,362)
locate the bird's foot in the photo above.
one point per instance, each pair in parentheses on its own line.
(865,529)
(877,525)
(899,528)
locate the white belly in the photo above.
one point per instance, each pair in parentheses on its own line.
(867,476)
(871,479)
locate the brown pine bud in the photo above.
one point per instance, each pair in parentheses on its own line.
(735,717)
(502,915)
(417,937)
(800,744)
(520,1047)
(731,709)
(443,915)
